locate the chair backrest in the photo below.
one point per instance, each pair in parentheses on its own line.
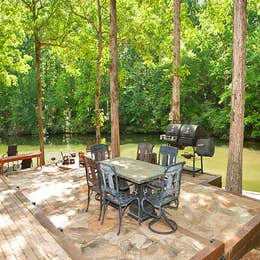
(12,150)
(167,155)
(172,180)
(100,152)
(92,173)
(109,181)
(144,152)
(26,163)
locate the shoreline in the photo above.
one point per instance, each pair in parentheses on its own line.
(251,194)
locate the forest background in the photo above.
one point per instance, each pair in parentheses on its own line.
(145,35)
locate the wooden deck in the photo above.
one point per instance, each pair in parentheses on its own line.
(21,235)
(211,222)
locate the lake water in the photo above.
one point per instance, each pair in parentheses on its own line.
(74,143)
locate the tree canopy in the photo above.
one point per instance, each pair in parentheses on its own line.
(145,40)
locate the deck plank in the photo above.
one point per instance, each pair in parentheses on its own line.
(21,235)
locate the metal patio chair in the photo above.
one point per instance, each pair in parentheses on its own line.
(26,163)
(93,181)
(145,152)
(167,156)
(100,152)
(11,151)
(111,194)
(166,196)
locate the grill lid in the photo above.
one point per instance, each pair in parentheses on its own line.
(189,135)
(173,129)
(183,135)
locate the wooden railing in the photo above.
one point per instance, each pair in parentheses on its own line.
(20,157)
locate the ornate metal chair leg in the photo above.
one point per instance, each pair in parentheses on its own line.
(151,223)
(88,200)
(172,224)
(169,222)
(120,219)
(104,212)
(100,209)
(97,196)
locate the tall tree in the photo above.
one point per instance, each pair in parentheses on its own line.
(98,30)
(43,21)
(98,88)
(39,83)
(175,107)
(115,136)
(236,137)
(34,7)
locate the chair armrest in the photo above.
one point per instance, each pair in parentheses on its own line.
(154,187)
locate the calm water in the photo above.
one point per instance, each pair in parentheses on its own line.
(75,143)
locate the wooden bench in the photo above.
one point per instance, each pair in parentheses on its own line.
(20,157)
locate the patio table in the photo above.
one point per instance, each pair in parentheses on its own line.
(139,173)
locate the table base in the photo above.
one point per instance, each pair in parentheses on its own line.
(133,212)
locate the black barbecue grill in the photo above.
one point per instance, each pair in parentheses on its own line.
(182,135)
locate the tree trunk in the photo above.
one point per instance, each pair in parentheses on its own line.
(115,137)
(97,97)
(175,107)
(39,90)
(236,137)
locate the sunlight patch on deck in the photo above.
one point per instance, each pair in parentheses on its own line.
(51,190)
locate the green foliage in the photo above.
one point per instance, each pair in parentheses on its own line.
(18,112)
(145,66)
(12,35)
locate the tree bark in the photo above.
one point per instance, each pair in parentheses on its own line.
(175,107)
(39,90)
(236,136)
(115,136)
(98,88)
